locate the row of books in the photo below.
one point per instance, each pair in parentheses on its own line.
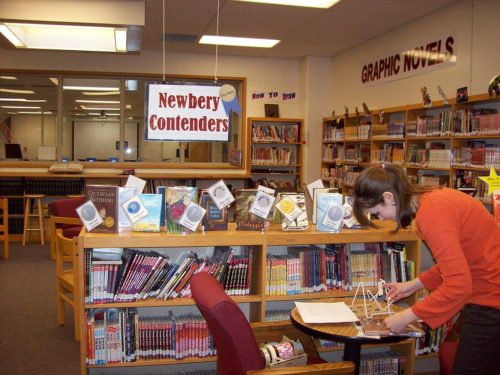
(432,339)
(358,152)
(477,153)
(361,132)
(334,173)
(439,125)
(11,186)
(275,132)
(483,121)
(123,335)
(59,187)
(385,363)
(272,155)
(394,129)
(333,133)
(390,153)
(333,151)
(131,275)
(311,269)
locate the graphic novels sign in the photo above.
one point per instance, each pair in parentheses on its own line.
(189,113)
(418,59)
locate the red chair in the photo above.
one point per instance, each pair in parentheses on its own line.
(63,216)
(238,352)
(448,348)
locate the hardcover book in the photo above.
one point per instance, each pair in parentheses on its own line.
(245,220)
(106,200)
(376,327)
(177,199)
(152,221)
(215,218)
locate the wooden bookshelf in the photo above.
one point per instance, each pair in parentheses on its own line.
(433,143)
(261,244)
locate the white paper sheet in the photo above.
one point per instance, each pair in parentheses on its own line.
(325,312)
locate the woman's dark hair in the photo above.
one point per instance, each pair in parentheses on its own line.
(371,185)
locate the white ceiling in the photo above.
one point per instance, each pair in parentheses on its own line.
(302,31)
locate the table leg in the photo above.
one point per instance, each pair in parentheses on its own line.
(352,352)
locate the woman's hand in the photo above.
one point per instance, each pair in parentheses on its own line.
(398,322)
(402,290)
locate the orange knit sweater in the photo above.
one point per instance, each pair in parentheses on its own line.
(465,242)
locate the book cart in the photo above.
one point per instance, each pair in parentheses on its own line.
(257,302)
(447,144)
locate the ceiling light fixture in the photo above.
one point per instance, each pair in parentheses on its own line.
(298,3)
(11,78)
(20,107)
(23,100)
(16,91)
(34,113)
(106,93)
(99,108)
(237,41)
(65,37)
(98,101)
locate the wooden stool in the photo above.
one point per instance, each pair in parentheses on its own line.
(29,200)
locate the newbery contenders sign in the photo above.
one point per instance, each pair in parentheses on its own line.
(189,113)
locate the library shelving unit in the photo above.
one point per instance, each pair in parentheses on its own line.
(15,187)
(276,152)
(259,245)
(447,144)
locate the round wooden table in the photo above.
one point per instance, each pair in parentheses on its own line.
(342,332)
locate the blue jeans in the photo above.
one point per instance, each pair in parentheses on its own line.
(479,345)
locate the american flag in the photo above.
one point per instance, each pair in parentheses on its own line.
(5,129)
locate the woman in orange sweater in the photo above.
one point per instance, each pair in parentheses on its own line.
(464,239)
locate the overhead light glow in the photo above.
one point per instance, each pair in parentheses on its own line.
(34,113)
(65,37)
(16,91)
(96,88)
(99,108)
(20,107)
(11,78)
(237,41)
(22,100)
(297,3)
(98,101)
(106,93)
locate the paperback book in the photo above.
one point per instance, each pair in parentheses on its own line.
(177,199)
(215,218)
(329,212)
(301,221)
(106,201)
(152,221)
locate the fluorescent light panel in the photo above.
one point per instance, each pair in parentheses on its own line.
(298,3)
(237,41)
(20,107)
(92,88)
(22,100)
(98,101)
(65,37)
(11,78)
(15,91)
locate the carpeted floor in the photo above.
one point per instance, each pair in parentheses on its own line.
(31,342)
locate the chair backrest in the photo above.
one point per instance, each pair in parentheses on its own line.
(65,252)
(237,348)
(66,207)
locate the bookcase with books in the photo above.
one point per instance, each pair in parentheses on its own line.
(14,189)
(446,144)
(276,152)
(129,312)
